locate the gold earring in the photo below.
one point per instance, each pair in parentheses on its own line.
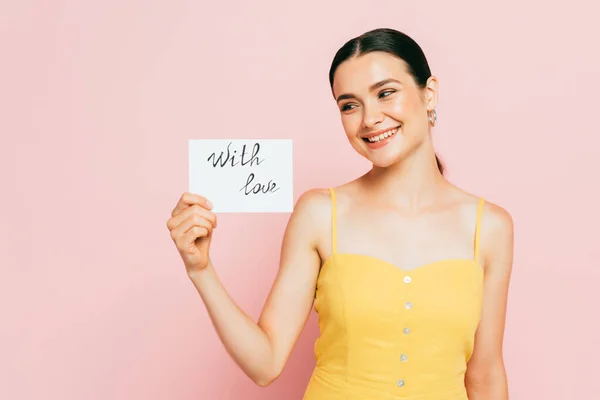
(432,117)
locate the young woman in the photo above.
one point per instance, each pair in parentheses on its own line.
(408,273)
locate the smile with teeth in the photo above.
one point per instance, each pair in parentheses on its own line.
(382,136)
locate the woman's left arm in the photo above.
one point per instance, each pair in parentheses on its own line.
(485,378)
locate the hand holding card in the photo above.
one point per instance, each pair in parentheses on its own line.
(191,226)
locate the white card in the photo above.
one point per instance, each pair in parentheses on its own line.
(243,175)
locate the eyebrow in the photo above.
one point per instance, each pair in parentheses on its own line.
(371,88)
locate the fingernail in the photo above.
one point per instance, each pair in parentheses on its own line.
(209,204)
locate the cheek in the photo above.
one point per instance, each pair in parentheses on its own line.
(351,124)
(399,107)
(410,114)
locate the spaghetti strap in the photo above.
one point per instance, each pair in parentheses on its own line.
(478,228)
(333,221)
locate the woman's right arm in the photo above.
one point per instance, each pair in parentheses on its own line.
(262,349)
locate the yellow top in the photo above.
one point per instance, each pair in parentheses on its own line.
(390,333)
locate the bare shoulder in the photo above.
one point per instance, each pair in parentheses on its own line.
(497,237)
(496,220)
(314,204)
(311,216)
(496,232)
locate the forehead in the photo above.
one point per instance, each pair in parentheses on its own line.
(356,74)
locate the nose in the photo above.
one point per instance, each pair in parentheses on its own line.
(372,116)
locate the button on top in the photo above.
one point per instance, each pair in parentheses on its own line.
(400,382)
(406,331)
(408,304)
(407,279)
(403,357)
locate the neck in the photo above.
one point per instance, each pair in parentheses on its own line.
(412,183)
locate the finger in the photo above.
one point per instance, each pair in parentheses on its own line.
(188,199)
(189,211)
(179,232)
(188,239)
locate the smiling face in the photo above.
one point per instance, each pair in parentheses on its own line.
(383,111)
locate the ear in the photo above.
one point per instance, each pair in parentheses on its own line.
(431,93)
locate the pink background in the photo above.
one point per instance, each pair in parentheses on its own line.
(99,98)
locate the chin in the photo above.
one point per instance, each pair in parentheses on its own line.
(384,162)
(382,159)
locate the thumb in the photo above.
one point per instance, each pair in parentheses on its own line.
(204,244)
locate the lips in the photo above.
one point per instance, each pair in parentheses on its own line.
(379,136)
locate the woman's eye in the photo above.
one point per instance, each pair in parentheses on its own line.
(347,107)
(386,93)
